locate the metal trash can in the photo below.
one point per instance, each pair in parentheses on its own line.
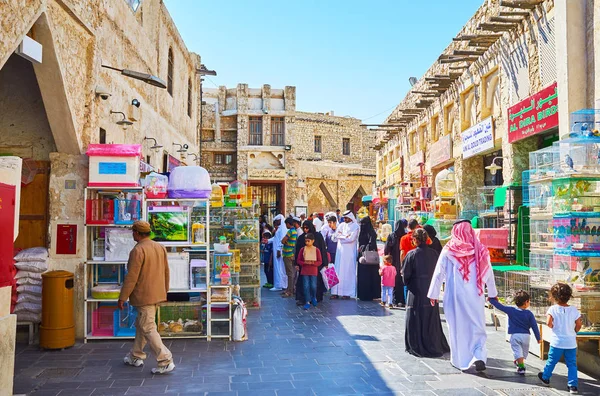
(58,321)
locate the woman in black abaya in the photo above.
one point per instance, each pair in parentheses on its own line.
(369,280)
(392,247)
(423,336)
(435,242)
(309,227)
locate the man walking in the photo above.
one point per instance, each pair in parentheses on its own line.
(289,249)
(146,284)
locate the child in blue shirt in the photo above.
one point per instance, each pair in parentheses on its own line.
(565,321)
(267,254)
(520,320)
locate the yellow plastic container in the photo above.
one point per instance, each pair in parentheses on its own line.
(216,196)
(57,330)
(235,260)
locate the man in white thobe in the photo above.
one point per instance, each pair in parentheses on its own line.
(317,222)
(464,265)
(280,279)
(346,237)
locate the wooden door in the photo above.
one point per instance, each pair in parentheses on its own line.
(33,216)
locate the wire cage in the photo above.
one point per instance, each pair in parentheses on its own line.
(181,319)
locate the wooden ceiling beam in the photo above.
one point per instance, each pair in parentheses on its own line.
(456,60)
(525,5)
(468,53)
(506,20)
(458,67)
(514,13)
(468,37)
(497,27)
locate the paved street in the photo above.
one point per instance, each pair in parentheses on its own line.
(342,347)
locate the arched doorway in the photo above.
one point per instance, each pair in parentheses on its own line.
(355,202)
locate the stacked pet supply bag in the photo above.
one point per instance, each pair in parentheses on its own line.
(30,264)
(239,316)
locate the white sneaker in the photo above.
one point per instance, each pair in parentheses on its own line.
(276,289)
(132,361)
(164,369)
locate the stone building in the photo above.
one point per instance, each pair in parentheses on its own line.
(294,161)
(502,57)
(51,110)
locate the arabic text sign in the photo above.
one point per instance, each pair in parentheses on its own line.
(536,114)
(441,151)
(478,138)
(393,167)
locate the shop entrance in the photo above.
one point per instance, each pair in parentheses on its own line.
(355,202)
(270,197)
(25,132)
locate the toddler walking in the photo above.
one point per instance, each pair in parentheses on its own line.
(309,260)
(520,321)
(565,322)
(388,281)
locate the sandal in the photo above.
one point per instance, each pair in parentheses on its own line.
(345,297)
(286,295)
(333,297)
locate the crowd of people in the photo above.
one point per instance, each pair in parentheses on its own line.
(410,275)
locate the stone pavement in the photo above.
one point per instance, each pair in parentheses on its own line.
(341,347)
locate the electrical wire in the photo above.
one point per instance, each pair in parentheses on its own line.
(384,111)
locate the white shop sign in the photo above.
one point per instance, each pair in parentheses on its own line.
(478,138)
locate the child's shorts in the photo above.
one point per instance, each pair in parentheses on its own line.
(519,343)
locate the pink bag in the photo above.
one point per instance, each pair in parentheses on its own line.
(330,278)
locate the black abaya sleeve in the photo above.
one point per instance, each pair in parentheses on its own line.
(389,244)
(407,268)
(322,246)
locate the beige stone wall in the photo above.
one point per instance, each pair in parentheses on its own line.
(486,88)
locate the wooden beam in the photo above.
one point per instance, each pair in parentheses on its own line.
(458,67)
(456,60)
(487,36)
(497,27)
(514,13)
(468,53)
(506,20)
(525,5)
(421,92)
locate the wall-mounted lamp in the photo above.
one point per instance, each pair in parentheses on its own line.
(145,77)
(155,146)
(135,103)
(288,147)
(493,167)
(124,122)
(182,147)
(196,158)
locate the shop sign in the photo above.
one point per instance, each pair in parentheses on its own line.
(478,138)
(415,160)
(393,167)
(493,238)
(534,115)
(266,174)
(441,151)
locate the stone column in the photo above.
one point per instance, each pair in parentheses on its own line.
(571,64)
(8,329)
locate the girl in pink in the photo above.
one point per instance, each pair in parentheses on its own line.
(388,281)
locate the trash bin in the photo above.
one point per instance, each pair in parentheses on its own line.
(58,322)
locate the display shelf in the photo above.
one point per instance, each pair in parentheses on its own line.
(97,300)
(97,262)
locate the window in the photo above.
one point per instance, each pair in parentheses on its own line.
(412,143)
(277,131)
(255,129)
(317,144)
(134,4)
(223,159)
(165,167)
(148,159)
(448,118)
(170,72)
(346,146)
(422,141)
(102,137)
(435,134)
(189,98)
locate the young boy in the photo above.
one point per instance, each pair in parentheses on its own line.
(267,253)
(565,321)
(520,320)
(309,260)
(388,281)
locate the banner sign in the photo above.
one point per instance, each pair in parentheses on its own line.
(478,138)
(534,115)
(393,167)
(441,151)
(173,163)
(415,160)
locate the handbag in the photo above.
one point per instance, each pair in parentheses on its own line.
(330,278)
(369,257)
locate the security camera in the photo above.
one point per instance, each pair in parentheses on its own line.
(102,92)
(135,103)
(185,146)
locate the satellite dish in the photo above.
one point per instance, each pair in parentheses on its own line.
(412,81)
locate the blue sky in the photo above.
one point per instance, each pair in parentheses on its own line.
(352,57)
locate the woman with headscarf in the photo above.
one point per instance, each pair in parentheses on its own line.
(392,247)
(309,227)
(465,267)
(424,336)
(369,280)
(435,242)
(280,279)
(346,237)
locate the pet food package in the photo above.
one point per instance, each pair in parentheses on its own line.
(118,244)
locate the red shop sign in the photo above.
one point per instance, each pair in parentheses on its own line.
(536,114)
